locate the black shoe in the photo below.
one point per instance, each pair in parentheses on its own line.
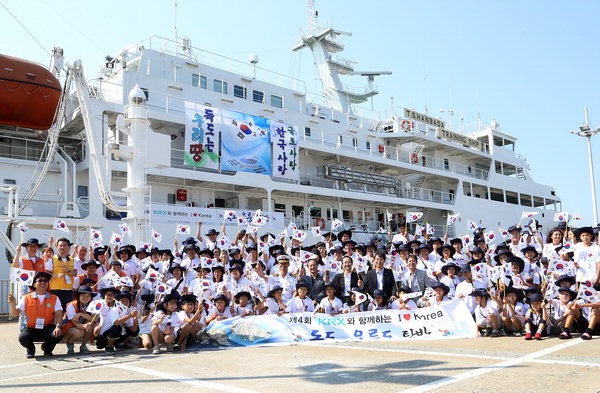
(177,347)
(48,354)
(30,355)
(109,349)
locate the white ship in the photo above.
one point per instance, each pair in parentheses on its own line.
(123,148)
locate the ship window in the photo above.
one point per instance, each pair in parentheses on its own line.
(525,200)
(509,170)
(424,160)
(239,91)
(253,203)
(446,164)
(258,96)
(368,145)
(335,214)
(354,142)
(347,215)
(10,181)
(306,131)
(550,204)
(315,212)
(203,82)
(195,79)
(538,202)
(340,139)
(298,210)
(146,93)
(276,101)
(171,198)
(220,86)
(480,191)
(467,188)
(496,194)
(498,167)
(82,191)
(280,207)
(511,197)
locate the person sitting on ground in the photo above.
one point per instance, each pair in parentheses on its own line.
(330,304)
(403,302)
(112,316)
(193,318)
(513,310)
(487,316)
(300,302)
(165,323)
(43,313)
(220,310)
(242,306)
(536,318)
(78,324)
(379,302)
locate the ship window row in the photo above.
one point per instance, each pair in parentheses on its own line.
(506,196)
(220,86)
(502,168)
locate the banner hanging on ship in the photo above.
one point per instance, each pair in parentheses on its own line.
(201,136)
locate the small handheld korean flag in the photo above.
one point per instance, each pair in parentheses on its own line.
(183,229)
(336,224)
(95,235)
(163,289)
(153,274)
(60,225)
(528,214)
(300,235)
(452,218)
(110,278)
(263,247)
(241,220)
(116,239)
(223,242)
(258,219)
(472,225)
(21,276)
(561,216)
(467,240)
(229,215)
(551,291)
(316,231)
(124,228)
(389,215)
(566,248)
(291,228)
(504,233)
(156,236)
(124,282)
(430,229)
(588,294)
(576,217)
(413,216)
(490,236)
(23,227)
(252,228)
(96,306)
(359,297)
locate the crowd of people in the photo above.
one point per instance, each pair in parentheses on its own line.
(531,284)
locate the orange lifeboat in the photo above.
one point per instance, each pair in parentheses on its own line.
(29,94)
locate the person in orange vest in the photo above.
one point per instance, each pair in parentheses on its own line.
(62,268)
(77,323)
(43,314)
(30,261)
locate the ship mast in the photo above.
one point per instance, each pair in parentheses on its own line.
(324,43)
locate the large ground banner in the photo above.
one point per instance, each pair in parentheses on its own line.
(448,321)
(245,143)
(201,136)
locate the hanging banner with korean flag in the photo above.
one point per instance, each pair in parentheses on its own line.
(285,150)
(202,126)
(245,143)
(21,276)
(413,216)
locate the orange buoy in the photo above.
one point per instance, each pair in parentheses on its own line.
(29,94)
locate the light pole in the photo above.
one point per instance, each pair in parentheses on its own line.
(588,133)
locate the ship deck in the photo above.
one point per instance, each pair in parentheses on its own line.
(468,365)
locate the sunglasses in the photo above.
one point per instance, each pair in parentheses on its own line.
(42,280)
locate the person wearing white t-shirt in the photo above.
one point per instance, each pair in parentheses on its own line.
(487,316)
(165,323)
(330,304)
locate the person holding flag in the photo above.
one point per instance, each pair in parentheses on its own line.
(112,319)
(78,324)
(165,323)
(43,315)
(330,304)
(30,261)
(587,256)
(553,245)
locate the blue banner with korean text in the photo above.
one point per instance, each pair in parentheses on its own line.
(449,320)
(245,143)
(285,150)
(201,136)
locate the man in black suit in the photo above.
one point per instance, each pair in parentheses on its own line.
(347,279)
(315,281)
(380,277)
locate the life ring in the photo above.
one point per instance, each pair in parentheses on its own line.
(414,158)
(320,223)
(407,125)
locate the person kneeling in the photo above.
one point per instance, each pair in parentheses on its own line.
(78,324)
(487,316)
(165,323)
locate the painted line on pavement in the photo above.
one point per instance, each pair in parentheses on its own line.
(490,369)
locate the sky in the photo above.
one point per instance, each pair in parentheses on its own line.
(530,65)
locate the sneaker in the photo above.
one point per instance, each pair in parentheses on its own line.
(527,336)
(564,336)
(177,347)
(109,349)
(518,334)
(538,336)
(586,336)
(495,333)
(486,333)
(30,355)
(48,354)
(156,350)
(169,347)
(70,349)
(84,350)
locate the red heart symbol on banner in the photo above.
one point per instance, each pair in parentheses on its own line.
(406,316)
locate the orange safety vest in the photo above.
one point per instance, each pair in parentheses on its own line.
(36,264)
(68,323)
(34,310)
(84,276)
(57,267)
